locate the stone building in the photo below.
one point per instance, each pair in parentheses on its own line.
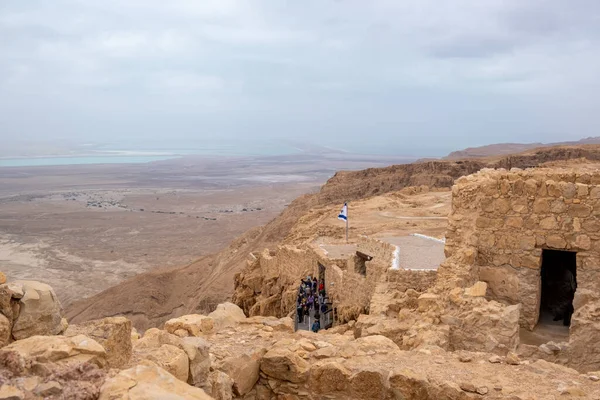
(526,233)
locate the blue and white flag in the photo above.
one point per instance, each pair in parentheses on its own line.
(344,213)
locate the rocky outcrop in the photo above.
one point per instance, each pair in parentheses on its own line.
(148,382)
(114,334)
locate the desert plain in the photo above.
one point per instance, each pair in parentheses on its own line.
(85,228)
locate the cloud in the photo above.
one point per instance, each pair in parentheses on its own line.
(417,71)
(178,81)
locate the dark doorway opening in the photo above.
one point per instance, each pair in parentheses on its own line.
(360,263)
(559,282)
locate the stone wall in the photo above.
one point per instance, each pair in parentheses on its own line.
(420,280)
(269,285)
(502,220)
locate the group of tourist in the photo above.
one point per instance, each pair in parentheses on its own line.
(311,297)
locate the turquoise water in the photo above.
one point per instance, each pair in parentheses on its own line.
(48,161)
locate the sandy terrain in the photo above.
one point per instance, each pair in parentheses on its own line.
(85,228)
(392,215)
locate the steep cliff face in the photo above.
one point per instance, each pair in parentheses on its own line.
(150,299)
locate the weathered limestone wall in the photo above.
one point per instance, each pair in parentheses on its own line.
(501,221)
(401,280)
(270,284)
(282,272)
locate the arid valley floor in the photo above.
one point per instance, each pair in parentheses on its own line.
(91,226)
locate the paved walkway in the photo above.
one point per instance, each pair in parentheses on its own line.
(417,252)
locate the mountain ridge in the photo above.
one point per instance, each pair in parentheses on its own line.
(499,149)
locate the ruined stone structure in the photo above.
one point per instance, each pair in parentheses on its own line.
(505,225)
(269,285)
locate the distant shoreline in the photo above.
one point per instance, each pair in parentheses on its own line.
(47,161)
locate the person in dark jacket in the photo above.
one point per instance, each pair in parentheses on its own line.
(300,312)
(315,326)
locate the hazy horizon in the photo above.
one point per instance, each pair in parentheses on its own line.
(418,78)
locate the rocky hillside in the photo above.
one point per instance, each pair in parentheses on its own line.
(150,299)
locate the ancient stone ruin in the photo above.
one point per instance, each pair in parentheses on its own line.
(522,251)
(269,285)
(534,237)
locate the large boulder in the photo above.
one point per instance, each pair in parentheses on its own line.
(283,364)
(26,353)
(195,349)
(113,333)
(369,383)
(190,325)
(221,385)
(149,382)
(154,338)
(40,312)
(172,359)
(199,359)
(244,370)
(329,377)
(226,315)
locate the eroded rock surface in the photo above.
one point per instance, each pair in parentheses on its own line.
(114,334)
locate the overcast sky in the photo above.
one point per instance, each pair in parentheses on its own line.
(413,76)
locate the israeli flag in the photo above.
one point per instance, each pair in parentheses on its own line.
(344,213)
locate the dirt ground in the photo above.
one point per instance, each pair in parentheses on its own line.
(83,229)
(401,213)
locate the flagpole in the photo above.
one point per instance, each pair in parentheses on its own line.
(346,222)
